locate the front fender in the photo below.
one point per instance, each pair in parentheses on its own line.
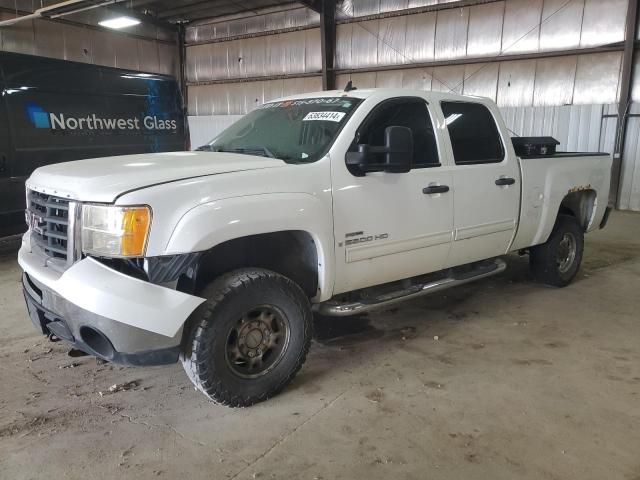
(213,223)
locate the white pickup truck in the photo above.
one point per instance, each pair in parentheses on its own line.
(335,202)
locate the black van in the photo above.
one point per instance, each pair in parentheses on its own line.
(55,111)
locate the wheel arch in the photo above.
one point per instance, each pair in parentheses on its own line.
(289,233)
(581,205)
(292,253)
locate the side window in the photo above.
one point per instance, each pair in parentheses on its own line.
(407,112)
(473,133)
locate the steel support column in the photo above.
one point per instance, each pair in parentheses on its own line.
(624,102)
(328,43)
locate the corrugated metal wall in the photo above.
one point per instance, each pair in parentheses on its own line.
(236,63)
(149,50)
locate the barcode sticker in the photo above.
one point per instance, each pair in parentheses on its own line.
(326,116)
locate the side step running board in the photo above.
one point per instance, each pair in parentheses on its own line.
(332,308)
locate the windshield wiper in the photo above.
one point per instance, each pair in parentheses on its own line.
(257,150)
(205,148)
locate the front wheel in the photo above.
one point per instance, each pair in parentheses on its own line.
(249,339)
(557,261)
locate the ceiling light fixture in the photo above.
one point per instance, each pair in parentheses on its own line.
(119,22)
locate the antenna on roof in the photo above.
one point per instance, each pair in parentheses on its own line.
(350,86)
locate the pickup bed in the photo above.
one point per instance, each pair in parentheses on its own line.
(336,202)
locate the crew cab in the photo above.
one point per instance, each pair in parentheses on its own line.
(336,202)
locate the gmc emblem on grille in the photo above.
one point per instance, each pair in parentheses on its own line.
(34,221)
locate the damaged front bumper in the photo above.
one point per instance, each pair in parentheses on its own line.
(104,312)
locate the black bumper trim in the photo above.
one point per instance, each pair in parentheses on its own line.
(49,322)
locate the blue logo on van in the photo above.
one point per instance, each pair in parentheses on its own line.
(38,116)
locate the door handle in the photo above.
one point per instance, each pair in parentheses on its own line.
(505,181)
(435,189)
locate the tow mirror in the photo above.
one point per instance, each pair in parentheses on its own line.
(394,157)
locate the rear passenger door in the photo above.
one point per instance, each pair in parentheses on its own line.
(486,183)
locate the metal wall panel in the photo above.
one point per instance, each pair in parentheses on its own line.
(603,22)
(391,41)
(203,129)
(420,37)
(597,78)
(555,78)
(561,24)
(521,29)
(451,33)
(264,20)
(104,50)
(344,34)
(481,80)
(240,98)
(485,29)
(576,127)
(448,79)
(279,54)
(18,38)
(504,27)
(516,82)
(418,78)
(630,182)
(389,79)
(635,87)
(49,40)
(77,43)
(148,55)
(364,44)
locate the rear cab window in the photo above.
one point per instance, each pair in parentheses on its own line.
(474,135)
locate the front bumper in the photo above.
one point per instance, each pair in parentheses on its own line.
(104,312)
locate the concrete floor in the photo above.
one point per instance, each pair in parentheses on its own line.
(522,381)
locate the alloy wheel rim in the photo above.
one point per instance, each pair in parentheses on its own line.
(567,250)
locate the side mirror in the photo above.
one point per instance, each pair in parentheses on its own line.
(394,157)
(399,144)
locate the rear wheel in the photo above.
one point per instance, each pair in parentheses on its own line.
(249,339)
(557,261)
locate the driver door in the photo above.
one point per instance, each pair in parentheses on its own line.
(390,226)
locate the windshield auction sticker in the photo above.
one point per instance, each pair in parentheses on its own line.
(326,116)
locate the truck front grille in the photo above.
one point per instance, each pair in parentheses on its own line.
(48,219)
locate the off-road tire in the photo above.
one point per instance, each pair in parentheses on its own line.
(544,259)
(229,298)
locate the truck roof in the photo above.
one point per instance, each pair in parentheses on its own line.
(381,93)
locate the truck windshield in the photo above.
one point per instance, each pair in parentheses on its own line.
(296,131)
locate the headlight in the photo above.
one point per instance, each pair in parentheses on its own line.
(113,231)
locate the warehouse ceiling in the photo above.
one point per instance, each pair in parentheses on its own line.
(190,10)
(152,11)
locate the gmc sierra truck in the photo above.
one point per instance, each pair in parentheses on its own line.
(336,202)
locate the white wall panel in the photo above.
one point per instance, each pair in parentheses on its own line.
(451,33)
(603,22)
(448,79)
(597,78)
(630,183)
(484,37)
(83,44)
(391,41)
(420,37)
(561,24)
(516,83)
(555,79)
(521,29)
(481,80)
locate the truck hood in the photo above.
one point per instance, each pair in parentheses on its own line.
(105,179)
